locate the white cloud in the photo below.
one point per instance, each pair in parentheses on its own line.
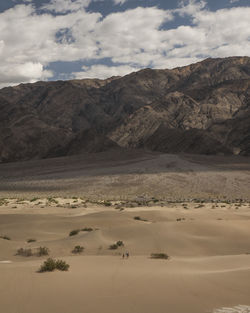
(27,72)
(63,6)
(104,71)
(190,7)
(119,1)
(133,39)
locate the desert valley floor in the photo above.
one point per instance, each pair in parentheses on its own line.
(195,209)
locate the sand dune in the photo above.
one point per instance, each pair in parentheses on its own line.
(208,269)
(207,239)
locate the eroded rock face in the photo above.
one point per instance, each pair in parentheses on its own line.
(200,108)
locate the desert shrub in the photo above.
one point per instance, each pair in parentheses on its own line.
(31,240)
(113,247)
(34,199)
(199,206)
(120,243)
(87,229)
(61,265)
(3,202)
(48,266)
(107,203)
(74,232)
(51,264)
(138,218)
(42,251)
(5,237)
(116,245)
(78,249)
(52,200)
(24,252)
(180,219)
(159,256)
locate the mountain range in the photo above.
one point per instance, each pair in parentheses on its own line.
(201,108)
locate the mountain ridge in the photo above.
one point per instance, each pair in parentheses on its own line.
(200,108)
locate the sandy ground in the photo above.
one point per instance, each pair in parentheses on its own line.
(207,239)
(123,174)
(208,269)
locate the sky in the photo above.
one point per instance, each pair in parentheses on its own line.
(76,39)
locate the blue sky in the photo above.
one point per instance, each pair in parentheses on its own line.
(75,39)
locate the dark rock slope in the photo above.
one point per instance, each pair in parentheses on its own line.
(201,108)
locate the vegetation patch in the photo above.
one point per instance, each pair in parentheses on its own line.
(41,251)
(162,256)
(78,250)
(3,202)
(5,237)
(74,232)
(52,200)
(52,264)
(34,199)
(138,218)
(107,203)
(89,229)
(31,240)
(116,245)
(24,252)
(113,247)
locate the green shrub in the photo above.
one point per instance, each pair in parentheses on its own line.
(48,266)
(116,245)
(5,237)
(42,251)
(52,200)
(74,232)
(51,264)
(159,256)
(138,218)
(3,202)
(78,249)
(107,203)
(24,252)
(113,247)
(61,265)
(120,243)
(87,229)
(31,240)
(34,199)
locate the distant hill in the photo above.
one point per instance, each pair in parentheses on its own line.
(201,108)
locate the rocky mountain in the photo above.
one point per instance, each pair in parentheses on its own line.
(201,108)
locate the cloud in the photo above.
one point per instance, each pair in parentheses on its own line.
(131,39)
(26,72)
(104,71)
(63,6)
(119,1)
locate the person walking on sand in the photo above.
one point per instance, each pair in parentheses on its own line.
(123,255)
(127,254)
